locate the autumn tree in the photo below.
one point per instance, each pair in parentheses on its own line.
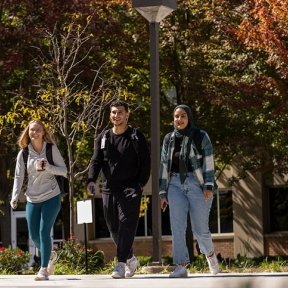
(230,88)
(258,98)
(264,27)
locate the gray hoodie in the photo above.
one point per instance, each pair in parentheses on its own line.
(42,185)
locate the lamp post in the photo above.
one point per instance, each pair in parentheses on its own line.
(154,11)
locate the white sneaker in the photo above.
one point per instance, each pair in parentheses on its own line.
(213,264)
(52,261)
(179,272)
(131,266)
(119,270)
(42,275)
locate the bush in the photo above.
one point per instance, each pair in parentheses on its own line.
(13,261)
(71,259)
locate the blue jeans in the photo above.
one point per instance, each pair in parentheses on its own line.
(184,198)
(40,219)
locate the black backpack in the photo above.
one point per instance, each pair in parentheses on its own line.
(105,145)
(133,135)
(62,181)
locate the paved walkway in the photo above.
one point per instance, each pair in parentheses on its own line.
(229,280)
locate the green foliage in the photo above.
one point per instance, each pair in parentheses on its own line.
(13,261)
(244,262)
(199,264)
(71,259)
(167,260)
(235,94)
(143,206)
(109,267)
(144,260)
(274,265)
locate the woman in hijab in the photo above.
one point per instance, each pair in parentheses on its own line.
(186,185)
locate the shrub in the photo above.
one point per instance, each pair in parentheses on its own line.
(71,259)
(144,260)
(13,261)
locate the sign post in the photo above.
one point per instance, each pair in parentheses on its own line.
(84,215)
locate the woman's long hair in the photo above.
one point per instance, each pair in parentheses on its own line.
(24,138)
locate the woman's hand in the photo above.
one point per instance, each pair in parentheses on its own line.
(163,203)
(207,194)
(13,204)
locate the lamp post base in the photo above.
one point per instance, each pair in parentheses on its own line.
(156,267)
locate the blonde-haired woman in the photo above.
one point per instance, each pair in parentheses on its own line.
(42,192)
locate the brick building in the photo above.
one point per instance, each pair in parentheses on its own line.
(249,218)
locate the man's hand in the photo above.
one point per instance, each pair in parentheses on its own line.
(91,189)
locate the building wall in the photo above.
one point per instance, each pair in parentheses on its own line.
(143,246)
(276,244)
(248,237)
(248,216)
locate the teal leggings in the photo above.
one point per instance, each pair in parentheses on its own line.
(40,219)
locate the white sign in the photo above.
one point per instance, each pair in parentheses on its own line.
(84,212)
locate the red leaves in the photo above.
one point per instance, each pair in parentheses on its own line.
(265,27)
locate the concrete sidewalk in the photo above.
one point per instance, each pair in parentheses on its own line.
(222,280)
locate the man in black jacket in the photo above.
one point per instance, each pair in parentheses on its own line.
(123,156)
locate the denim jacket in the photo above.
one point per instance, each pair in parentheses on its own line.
(201,163)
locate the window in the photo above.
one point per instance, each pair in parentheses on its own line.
(221,215)
(278,209)
(144,224)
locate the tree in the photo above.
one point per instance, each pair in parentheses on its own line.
(230,88)
(257,97)
(265,27)
(21,26)
(72,109)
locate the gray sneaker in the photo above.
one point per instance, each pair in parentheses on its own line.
(213,264)
(131,266)
(179,272)
(42,275)
(119,270)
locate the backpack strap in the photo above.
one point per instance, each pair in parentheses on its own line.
(168,138)
(197,140)
(104,139)
(105,145)
(134,138)
(134,135)
(25,153)
(49,153)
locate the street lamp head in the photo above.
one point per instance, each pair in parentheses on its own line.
(154,10)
